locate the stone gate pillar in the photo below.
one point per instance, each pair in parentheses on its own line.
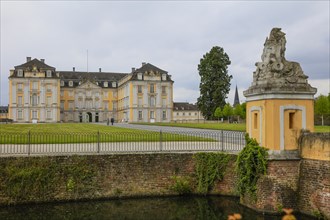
(280,102)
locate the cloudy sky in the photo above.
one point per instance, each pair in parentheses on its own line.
(172,35)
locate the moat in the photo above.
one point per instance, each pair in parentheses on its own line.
(192,207)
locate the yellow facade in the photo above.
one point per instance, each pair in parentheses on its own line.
(37,92)
(276,123)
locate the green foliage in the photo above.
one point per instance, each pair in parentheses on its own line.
(210,167)
(319,215)
(181,185)
(38,179)
(243,105)
(238,111)
(70,185)
(218,113)
(251,163)
(322,107)
(215,81)
(227,111)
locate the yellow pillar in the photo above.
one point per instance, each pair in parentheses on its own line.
(280,102)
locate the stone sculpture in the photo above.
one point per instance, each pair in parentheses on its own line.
(274,71)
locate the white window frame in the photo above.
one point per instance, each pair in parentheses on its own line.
(20,73)
(139,76)
(34,100)
(49,100)
(140,89)
(34,114)
(70,83)
(20,86)
(34,85)
(140,102)
(49,73)
(114,84)
(140,115)
(164,77)
(19,114)
(153,88)
(152,101)
(20,100)
(71,105)
(49,114)
(105,84)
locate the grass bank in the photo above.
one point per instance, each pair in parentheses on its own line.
(212,126)
(220,126)
(82,133)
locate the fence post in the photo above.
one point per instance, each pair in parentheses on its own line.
(222,140)
(29,143)
(160,140)
(98,141)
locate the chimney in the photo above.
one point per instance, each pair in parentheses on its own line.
(42,60)
(28,59)
(100,70)
(133,69)
(74,69)
(143,63)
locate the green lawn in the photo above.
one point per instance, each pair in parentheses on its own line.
(81,133)
(323,129)
(221,126)
(213,126)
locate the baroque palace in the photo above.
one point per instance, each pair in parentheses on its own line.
(40,93)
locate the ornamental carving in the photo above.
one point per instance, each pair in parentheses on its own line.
(274,67)
(274,74)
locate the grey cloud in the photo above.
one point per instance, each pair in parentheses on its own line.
(171,35)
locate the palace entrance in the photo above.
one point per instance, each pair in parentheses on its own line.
(89,117)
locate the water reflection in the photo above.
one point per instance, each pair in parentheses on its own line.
(143,208)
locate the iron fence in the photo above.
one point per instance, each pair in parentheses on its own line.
(54,143)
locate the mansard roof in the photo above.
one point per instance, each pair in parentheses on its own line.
(35,62)
(96,77)
(184,106)
(3,109)
(149,67)
(146,68)
(75,75)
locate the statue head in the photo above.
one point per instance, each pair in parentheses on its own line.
(276,35)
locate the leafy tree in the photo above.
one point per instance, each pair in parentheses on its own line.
(243,105)
(218,113)
(227,111)
(322,107)
(215,81)
(238,111)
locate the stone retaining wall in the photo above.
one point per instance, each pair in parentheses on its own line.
(98,176)
(299,184)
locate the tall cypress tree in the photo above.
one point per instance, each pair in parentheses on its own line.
(215,81)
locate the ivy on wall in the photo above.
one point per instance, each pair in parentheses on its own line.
(210,167)
(251,163)
(38,179)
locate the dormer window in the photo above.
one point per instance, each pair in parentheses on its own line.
(70,83)
(62,83)
(139,76)
(105,84)
(49,73)
(97,83)
(20,73)
(164,77)
(114,84)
